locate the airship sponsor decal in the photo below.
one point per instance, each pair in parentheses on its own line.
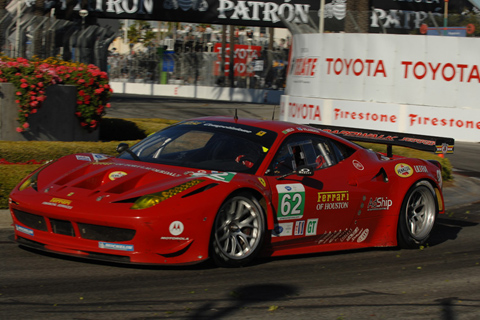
(403,170)
(116,174)
(379,203)
(115,246)
(291,201)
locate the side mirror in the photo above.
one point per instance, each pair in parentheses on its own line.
(122,147)
(305,171)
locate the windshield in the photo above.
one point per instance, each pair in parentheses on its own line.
(206,145)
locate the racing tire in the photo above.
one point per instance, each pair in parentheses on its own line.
(417,216)
(238,232)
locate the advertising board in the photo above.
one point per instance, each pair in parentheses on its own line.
(416,84)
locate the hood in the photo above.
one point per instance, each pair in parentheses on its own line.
(118,179)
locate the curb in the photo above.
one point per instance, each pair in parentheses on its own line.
(465,190)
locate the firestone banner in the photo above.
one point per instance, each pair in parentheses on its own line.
(416,84)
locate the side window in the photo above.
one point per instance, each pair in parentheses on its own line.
(303,149)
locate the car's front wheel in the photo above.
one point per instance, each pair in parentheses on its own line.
(417,216)
(238,231)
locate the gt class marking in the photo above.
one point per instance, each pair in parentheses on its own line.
(291,201)
(403,170)
(311,227)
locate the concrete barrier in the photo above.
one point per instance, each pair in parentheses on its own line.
(54,121)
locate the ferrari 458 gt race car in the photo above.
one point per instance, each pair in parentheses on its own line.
(231,189)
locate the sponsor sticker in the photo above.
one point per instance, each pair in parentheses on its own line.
(217,176)
(291,201)
(116,174)
(420,169)
(176,228)
(83,158)
(333,200)
(379,203)
(262,181)
(358,165)
(59,202)
(24,230)
(283,229)
(115,246)
(99,157)
(299,228)
(403,170)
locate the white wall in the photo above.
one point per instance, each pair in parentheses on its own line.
(415,84)
(199,92)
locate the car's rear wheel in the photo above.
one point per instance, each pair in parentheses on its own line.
(238,231)
(417,215)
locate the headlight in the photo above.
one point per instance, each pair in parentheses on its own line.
(30,182)
(153,199)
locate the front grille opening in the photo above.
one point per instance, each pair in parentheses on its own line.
(62,227)
(103,233)
(31,220)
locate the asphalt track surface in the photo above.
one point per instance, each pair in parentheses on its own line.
(441,281)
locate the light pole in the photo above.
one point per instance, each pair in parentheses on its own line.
(83,13)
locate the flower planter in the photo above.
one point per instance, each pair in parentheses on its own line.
(54,121)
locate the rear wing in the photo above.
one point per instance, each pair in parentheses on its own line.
(426,143)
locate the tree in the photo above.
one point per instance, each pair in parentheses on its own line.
(141,32)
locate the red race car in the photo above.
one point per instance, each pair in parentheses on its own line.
(231,189)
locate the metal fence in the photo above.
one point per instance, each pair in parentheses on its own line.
(198,68)
(25,35)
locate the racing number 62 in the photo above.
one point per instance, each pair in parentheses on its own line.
(287,202)
(291,201)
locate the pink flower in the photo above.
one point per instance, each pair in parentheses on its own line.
(26,125)
(19,129)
